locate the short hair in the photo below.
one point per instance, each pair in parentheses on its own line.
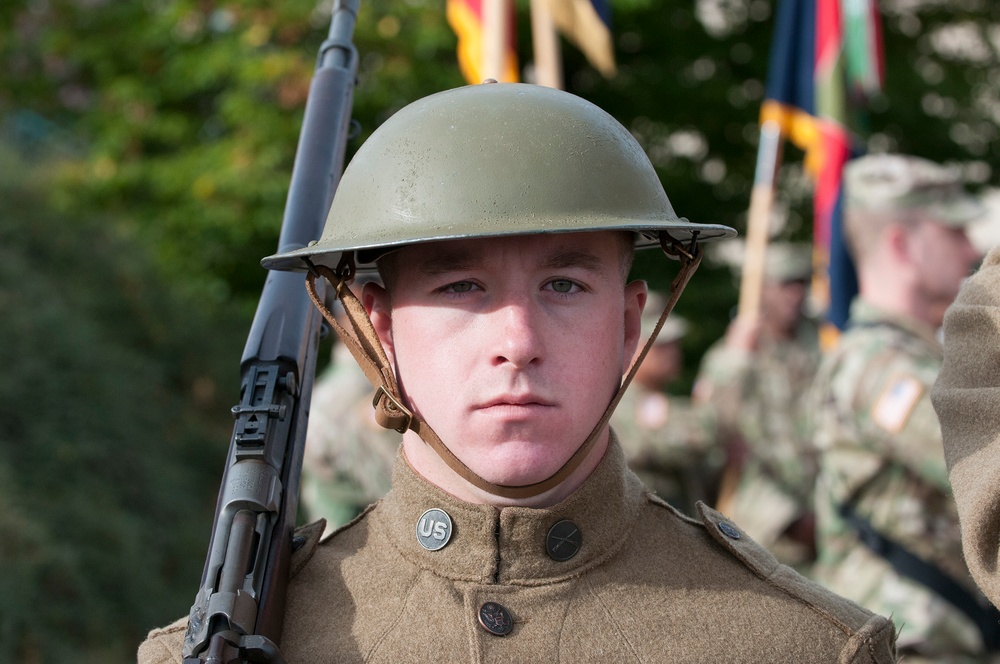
(626,253)
(863,228)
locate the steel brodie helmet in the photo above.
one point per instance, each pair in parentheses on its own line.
(491,160)
(487,161)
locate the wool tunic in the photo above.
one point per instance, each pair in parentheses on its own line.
(644,584)
(966,397)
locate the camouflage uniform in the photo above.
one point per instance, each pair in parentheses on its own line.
(880,447)
(668,441)
(888,529)
(348,457)
(671,444)
(758,397)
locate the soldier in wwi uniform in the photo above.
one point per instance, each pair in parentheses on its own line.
(888,531)
(502,219)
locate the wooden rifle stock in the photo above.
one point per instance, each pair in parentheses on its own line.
(238,612)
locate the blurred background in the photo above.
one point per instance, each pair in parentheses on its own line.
(145,152)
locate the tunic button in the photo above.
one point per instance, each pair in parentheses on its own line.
(434,529)
(495,619)
(563,541)
(729,530)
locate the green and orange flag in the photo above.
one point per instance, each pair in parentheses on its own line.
(826,62)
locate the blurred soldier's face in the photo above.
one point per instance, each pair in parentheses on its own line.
(510,348)
(782,302)
(661,366)
(943,257)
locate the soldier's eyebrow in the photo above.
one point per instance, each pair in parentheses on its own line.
(449,261)
(561,259)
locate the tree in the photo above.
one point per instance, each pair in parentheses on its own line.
(109,457)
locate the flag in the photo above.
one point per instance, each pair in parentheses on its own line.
(587,24)
(826,61)
(466,18)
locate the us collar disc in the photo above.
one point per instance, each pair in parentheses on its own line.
(434,529)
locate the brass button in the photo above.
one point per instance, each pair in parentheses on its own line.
(434,529)
(729,530)
(495,619)
(563,541)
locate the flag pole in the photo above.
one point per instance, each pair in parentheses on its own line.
(494,32)
(752,280)
(545,42)
(758,219)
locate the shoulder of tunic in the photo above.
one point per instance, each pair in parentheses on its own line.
(867,637)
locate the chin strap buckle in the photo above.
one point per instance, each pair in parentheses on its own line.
(391,414)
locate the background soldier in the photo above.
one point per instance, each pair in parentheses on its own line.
(756,378)
(348,458)
(503,218)
(887,527)
(669,442)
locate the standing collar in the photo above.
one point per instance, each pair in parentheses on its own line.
(508,545)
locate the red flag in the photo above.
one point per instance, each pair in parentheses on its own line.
(466,18)
(826,60)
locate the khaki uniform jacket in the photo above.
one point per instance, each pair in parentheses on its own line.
(646,585)
(966,397)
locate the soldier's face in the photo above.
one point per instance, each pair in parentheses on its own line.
(782,302)
(943,257)
(510,348)
(663,364)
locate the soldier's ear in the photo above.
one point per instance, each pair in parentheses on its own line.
(635,302)
(897,238)
(376,301)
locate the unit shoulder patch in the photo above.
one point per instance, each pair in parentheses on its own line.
(894,405)
(653,411)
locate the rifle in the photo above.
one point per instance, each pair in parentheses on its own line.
(238,612)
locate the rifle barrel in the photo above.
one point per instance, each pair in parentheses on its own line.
(238,611)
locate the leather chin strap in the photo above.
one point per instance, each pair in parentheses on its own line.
(390,412)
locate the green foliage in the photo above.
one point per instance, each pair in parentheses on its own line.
(191,113)
(113,397)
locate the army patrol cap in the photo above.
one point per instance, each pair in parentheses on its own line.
(885,182)
(787,261)
(492,160)
(783,261)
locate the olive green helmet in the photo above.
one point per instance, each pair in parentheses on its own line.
(493,160)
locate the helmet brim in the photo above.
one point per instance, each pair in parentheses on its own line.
(365,256)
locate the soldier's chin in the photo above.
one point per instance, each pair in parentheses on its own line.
(521,464)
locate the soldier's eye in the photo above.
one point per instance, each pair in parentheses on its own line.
(563,286)
(460,287)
